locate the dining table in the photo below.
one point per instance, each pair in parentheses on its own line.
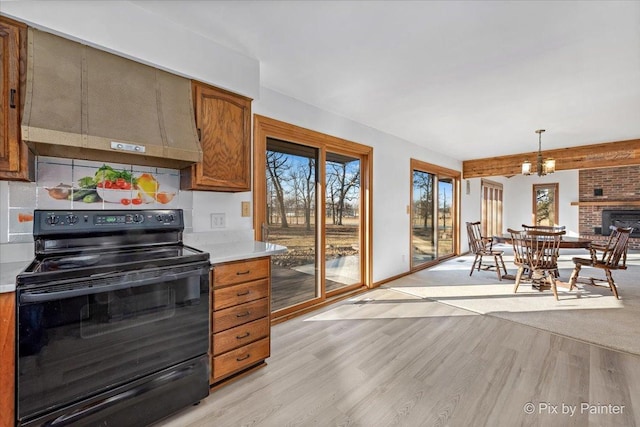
(566,242)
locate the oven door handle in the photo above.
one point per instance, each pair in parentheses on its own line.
(36,297)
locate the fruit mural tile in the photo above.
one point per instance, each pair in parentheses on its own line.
(84,194)
(54,185)
(81,184)
(97,185)
(157,190)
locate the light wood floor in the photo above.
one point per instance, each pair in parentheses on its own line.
(398,361)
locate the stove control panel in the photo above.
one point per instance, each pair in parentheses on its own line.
(86,221)
(119,219)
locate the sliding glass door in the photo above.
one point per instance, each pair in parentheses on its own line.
(311,194)
(291,178)
(434,213)
(445,213)
(423,238)
(342,221)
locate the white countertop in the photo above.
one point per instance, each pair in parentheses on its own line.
(218,253)
(8,273)
(234,251)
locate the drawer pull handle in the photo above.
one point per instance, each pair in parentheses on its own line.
(241,294)
(12,98)
(240,359)
(243,336)
(242,273)
(245,314)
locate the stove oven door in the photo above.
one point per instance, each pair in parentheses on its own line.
(83,339)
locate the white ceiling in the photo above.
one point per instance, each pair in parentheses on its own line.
(469,79)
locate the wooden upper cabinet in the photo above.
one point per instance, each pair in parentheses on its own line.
(223,120)
(15,158)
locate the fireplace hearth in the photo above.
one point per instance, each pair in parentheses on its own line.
(621,218)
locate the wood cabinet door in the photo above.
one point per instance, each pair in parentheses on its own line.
(13,153)
(223,121)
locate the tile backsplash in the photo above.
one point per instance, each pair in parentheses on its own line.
(79,184)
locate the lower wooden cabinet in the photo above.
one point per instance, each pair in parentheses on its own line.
(7,357)
(240,358)
(240,317)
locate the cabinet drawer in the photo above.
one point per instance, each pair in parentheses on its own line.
(236,360)
(238,294)
(237,272)
(240,314)
(240,335)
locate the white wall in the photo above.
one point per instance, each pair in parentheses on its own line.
(518,200)
(518,192)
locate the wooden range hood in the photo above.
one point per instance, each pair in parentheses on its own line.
(610,154)
(85,103)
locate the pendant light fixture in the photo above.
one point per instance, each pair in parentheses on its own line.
(543,167)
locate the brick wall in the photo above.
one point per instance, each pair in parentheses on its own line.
(616,184)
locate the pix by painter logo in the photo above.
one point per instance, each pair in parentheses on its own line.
(548,408)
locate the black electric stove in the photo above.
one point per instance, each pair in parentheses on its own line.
(113,319)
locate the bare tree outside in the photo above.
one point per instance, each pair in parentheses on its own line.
(277,166)
(423,205)
(343,184)
(304,186)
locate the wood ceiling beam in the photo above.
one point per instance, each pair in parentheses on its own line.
(609,154)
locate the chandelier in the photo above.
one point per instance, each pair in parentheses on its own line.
(543,167)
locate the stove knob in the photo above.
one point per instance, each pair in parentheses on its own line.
(160,217)
(52,219)
(72,219)
(170,218)
(138,218)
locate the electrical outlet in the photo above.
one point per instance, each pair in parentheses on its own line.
(246,209)
(218,220)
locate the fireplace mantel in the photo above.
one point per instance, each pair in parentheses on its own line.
(607,203)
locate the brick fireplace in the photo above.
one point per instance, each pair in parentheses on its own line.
(607,189)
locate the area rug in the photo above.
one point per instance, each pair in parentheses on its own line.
(591,314)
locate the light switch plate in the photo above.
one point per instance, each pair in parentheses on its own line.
(246,209)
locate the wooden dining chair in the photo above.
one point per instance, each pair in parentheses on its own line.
(536,252)
(551,228)
(481,247)
(609,256)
